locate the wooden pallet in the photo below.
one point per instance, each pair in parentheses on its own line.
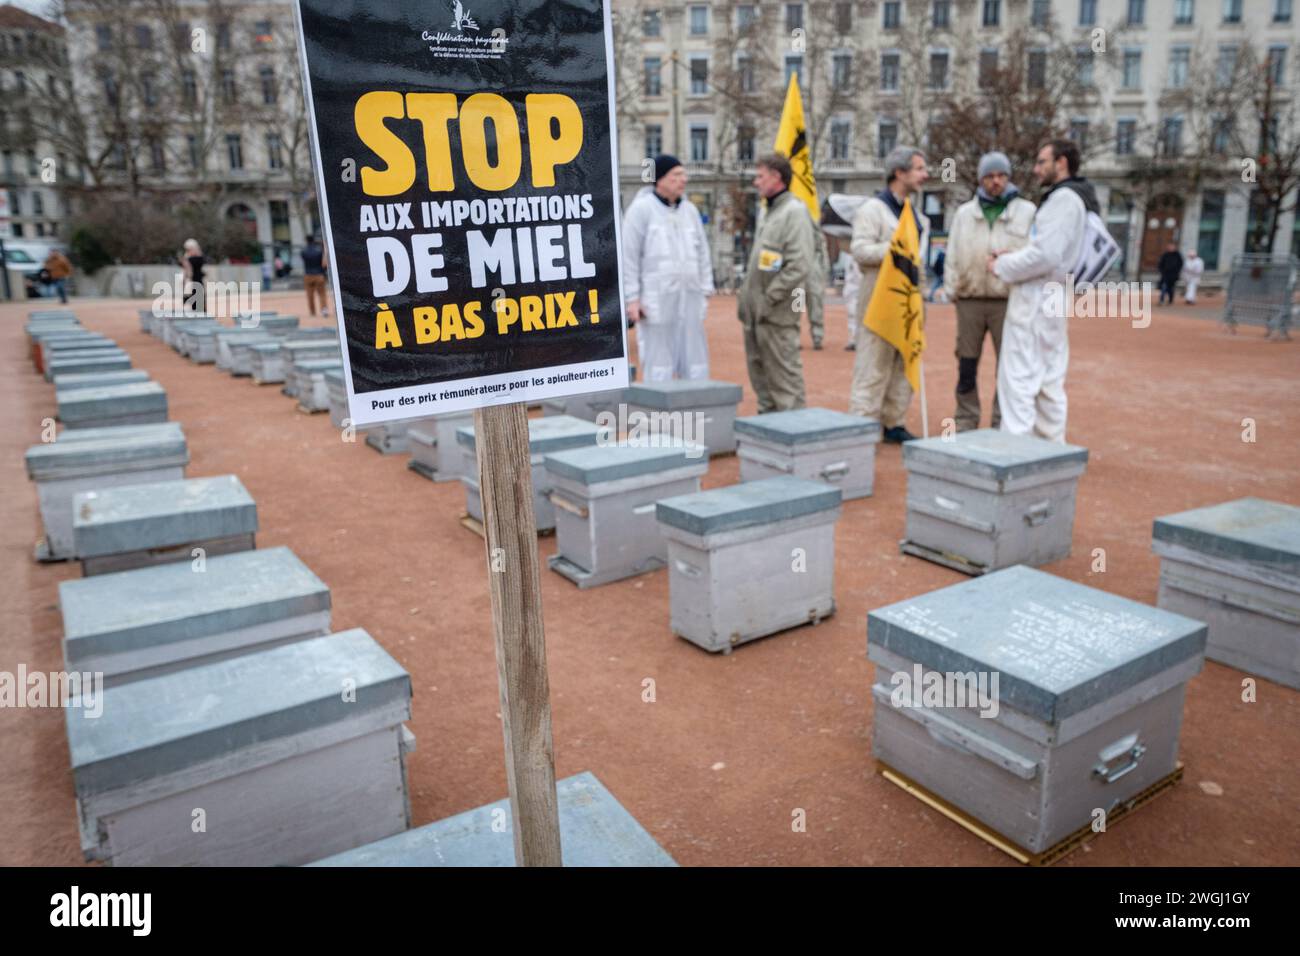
(469,521)
(1052,854)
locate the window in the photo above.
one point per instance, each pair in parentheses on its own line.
(192,149)
(20,82)
(223,36)
(148,89)
(1125,134)
(143,37)
(843,17)
(1171,136)
(1211,227)
(1083,66)
(841,72)
(262,35)
(33,167)
(793,16)
(841,132)
(1226,66)
(38,204)
(938,78)
(746,16)
(654,141)
(886,137)
(699,75)
(1079,133)
(1179,58)
(1183,12)
(988,68)
(1132,70)
(653,81)
(651,24)
(1221,135)
(110,89)
(941,17)
(699,144)
(274,151)
(189,87)
(745,73)
(794,67)
(270,89)
(1277,65)
(1040,12)
(1282,14)
(234,151)
(15,201)
(228,92)
(892,14)
(932,206)
(1231,11)
(992,13)
(1036,76)
(1137,12)
(1087,13)
(699,20)
(889,70)
(104,37)
(157,159)
(745,145)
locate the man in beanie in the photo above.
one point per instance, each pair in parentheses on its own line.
(774,295)
(996,219)
(667,276)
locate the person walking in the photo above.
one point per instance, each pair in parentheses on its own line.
(1035,342)
(996,219)
(773,295)
(60,269)
(313,275)
(1170,267)
(667,276)
(192,263)
(880,387)
(1193,269)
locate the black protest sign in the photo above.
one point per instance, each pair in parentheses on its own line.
(468,183)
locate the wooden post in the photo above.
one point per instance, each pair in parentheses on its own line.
(510,531)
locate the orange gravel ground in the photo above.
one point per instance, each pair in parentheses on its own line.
(733,745)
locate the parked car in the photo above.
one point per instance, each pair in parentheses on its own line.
(21,261)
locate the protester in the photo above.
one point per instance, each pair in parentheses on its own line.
(880,387)
(1193,268)
(773,295)
(313,275)
(996,219)
(667,276)
(1035,343)
(1170,267)
(60,269)
(192,263)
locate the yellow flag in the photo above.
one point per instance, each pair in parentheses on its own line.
(792,141)
(896,312)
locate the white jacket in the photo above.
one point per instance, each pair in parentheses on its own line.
(666,262)
(873,229)
(971,239)
(1192,268)
(1055,243)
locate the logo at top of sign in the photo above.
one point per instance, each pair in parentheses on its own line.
(460,18)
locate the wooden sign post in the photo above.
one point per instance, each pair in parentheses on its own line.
(510,531)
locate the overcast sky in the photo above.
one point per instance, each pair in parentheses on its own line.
(39,7)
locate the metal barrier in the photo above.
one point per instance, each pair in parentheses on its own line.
(1261,290)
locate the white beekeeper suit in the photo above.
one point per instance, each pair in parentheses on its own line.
(1193,268)
(1035,338)
(666,266)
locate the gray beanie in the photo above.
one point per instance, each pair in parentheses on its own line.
(994,162)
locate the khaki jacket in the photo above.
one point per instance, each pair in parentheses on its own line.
(781,265)
(873,230)
(971,239)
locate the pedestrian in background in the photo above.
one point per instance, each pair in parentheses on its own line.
(1170,267)
(667,276)
(60,269)
(773,297)
(313,275)
(1193,269)
(192,263)
(996,219)
(880,387)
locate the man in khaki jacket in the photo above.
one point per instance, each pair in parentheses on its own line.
(996,220)
(880,386)
(774,295)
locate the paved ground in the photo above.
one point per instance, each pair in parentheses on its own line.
(715,767)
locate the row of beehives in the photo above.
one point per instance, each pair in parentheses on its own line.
(1098,673)
(219,720)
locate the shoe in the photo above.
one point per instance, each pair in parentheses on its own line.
(897,435)
(817,346)
(852,346)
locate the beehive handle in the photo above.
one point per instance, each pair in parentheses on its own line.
(1126,749)
(563,503)
(1038,513)
(835,470)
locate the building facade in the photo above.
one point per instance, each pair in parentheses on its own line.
(705,80)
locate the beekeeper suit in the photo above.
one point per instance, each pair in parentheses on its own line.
(1035,341)
(667,277)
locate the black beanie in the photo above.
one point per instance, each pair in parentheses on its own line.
(664,164)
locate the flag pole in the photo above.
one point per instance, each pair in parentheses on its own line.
(925,416)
